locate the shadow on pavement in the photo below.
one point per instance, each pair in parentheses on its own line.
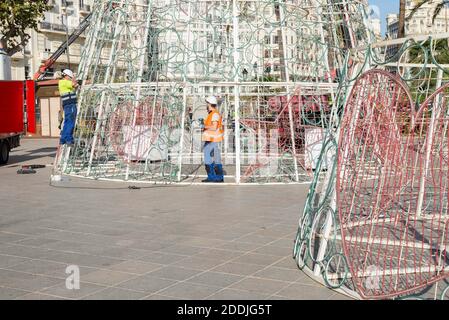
(20,156)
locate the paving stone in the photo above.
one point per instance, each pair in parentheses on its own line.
(115,294)
(42,267)
(215,279)
(238,268)
(10,293)
(160,297)
(61,290)
(136,267)
(82,259)
(234,294)
(107,277)
(192,291)
(162,258)
(38,296)
(220,254)
(30,282)
(339,296)
(273,250)
(240,246)
(11,237)
(198,263)
(297,291)
(258,285)
(257,239)
(9,261)
(204,242)
(184,250)
(281,274)
(287,263)
(36,242)
(24,251)
(284,243)
(275,297)
(256,258)
(174,273)
(146,284)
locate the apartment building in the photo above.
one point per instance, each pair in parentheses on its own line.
(53,30)
(421,22)
(58,23)
(376,28)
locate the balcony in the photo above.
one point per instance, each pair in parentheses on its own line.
(74,58)
(53,27)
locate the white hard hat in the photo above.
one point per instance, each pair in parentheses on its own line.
(57,75)
(67,72)
(212,100)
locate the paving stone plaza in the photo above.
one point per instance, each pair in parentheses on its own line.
(154,243)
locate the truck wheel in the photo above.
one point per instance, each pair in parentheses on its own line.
(4,153)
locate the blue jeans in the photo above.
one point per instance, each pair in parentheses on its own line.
(69,123)
(211,153)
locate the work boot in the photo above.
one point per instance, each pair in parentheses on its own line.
(210,173)
(219,177)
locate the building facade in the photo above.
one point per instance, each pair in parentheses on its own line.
(421,22)
(53,31)
(57,25)
(376,27)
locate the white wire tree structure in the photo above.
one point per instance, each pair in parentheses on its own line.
(148,65)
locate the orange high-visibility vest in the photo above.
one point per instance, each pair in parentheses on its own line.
(211,135)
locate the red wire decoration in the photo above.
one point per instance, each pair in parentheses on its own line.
(392,187)
(134,128)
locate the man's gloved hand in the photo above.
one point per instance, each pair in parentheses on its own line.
(201,123)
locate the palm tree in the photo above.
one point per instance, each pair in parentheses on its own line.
(401,23)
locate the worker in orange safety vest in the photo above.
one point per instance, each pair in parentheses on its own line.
(212,135)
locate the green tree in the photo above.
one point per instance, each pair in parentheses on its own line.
(16,18)
(438,51)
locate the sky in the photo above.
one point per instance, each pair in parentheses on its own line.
(384,7)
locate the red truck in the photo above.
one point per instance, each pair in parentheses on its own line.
(17,114)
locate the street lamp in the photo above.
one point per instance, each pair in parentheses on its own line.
(245,74)
(256,71)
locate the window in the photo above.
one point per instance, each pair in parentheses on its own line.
(47,45)
(64,20)
(27,72)
(209,38)
(47,17)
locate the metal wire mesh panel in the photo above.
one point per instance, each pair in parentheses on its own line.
(392,186)
(375,225)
